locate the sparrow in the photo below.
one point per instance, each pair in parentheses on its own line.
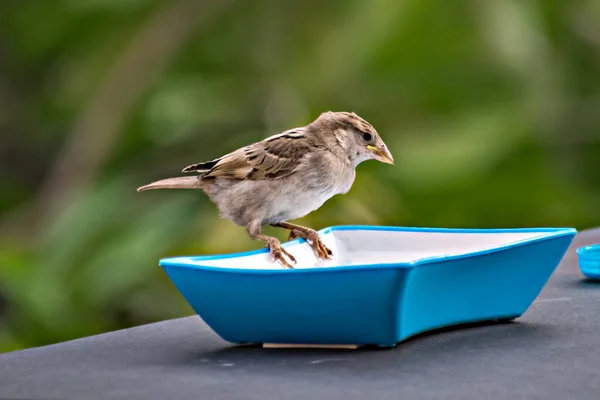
(285,176)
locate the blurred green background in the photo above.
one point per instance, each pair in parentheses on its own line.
(490,107)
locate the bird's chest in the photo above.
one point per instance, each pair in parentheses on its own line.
(311,193)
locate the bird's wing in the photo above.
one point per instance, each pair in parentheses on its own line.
(272,158)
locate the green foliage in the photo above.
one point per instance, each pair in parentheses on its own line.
(489,107)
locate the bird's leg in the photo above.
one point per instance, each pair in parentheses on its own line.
(309,235)
(274,245)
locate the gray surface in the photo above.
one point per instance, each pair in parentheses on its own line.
(552,352)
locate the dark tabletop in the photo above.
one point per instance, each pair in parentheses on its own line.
(552,352)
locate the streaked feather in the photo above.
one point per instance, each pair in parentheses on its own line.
(275,157)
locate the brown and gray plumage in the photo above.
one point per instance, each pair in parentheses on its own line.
(286,176)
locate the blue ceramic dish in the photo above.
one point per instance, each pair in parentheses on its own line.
(589,260)
(384,284)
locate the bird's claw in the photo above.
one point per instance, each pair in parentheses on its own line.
(318,245)
(278,253)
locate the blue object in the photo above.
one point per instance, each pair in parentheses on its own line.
(588,258)
(384,284)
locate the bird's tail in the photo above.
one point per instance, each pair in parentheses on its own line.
(182,182)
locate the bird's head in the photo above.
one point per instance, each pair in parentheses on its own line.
(355,136)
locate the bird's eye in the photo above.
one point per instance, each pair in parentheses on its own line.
(367,136)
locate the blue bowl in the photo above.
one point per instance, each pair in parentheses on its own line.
(383,285)
(589,260)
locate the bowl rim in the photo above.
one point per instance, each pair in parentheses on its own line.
(589,249)
(195,262)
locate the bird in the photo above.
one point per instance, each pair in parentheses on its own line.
(285,176)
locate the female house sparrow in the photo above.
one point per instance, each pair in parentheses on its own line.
(286,176)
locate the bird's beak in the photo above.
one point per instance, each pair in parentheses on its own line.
(382,154)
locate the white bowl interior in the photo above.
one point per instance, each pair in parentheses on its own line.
(360,247)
